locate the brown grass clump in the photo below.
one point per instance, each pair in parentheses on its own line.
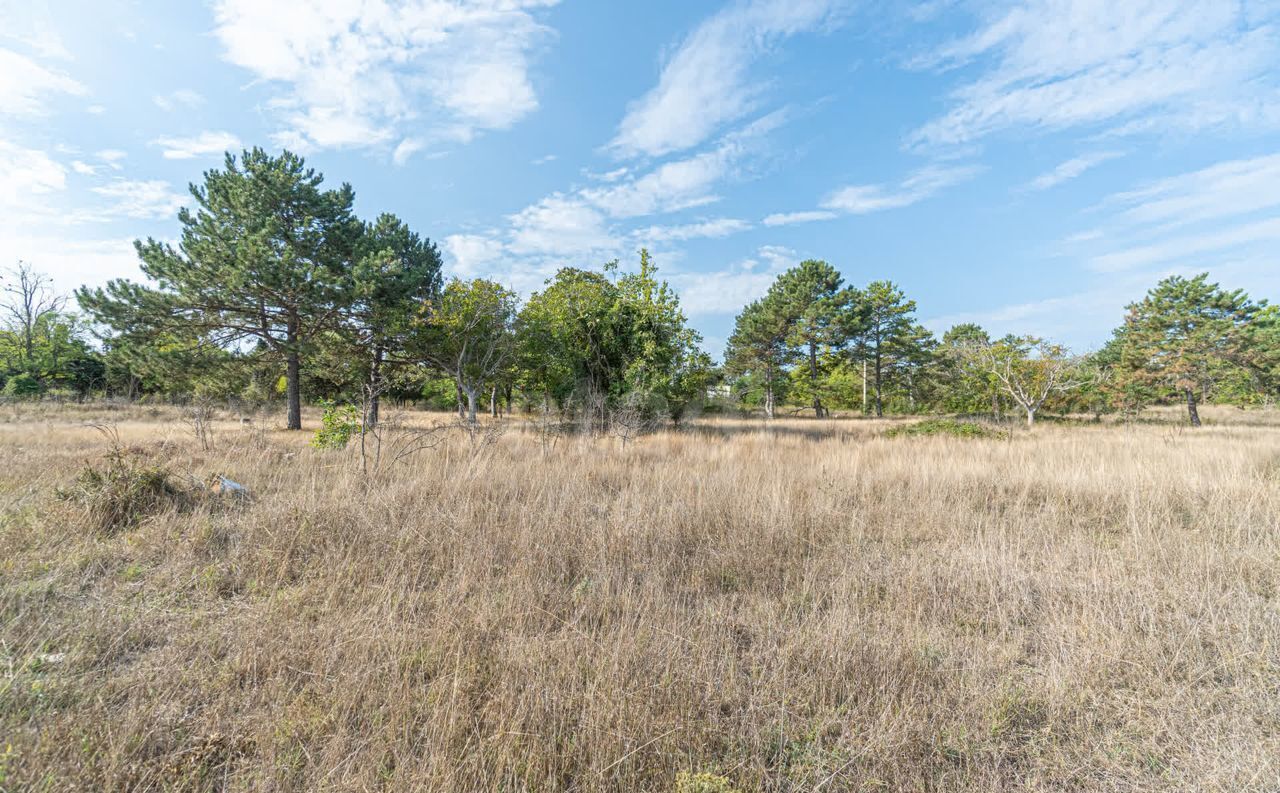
(737,606)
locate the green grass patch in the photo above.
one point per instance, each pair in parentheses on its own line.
(951,427)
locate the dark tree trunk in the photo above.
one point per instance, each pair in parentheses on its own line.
(462,404)
(293,390)
(1192,412)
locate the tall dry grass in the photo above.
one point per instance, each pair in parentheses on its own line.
(796,607)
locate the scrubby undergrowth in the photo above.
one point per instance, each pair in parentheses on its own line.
(727,608)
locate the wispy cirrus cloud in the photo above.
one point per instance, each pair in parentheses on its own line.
(363,74)
(1071,169)
(27,87)
(1210,216)
(1133,66)
(206,144)
(863,199)
(705,84)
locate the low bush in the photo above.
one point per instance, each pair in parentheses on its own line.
(337,424)
(957,429)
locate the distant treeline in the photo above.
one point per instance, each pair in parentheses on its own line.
(277,290)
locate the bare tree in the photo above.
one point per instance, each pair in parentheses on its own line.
(1028,369)
(28,298)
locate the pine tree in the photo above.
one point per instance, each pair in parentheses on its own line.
(1176,338)
(266,256)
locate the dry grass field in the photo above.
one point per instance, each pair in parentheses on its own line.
(801,606)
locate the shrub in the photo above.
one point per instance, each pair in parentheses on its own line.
(123,492)
(23,386)
(957,429)
(337,425)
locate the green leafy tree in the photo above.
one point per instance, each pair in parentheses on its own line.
(397,271)
(265,257)
(665,359)
(576,342)
(758,348)
(27,301)
(1030,370)
(467,333)
(817,310)
(970,388)
(1175,340)
(888,335)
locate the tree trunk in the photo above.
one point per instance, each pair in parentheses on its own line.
(375,383)
(995,404)
(471,405)
(493,401)
(1031,416)
(818,410)
(293,391)
(1192,412)
(462,405)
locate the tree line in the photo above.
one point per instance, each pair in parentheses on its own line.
(277,288)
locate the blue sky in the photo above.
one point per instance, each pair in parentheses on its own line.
(1032,166)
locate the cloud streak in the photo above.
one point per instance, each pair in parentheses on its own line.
(1134,66)
(705,84)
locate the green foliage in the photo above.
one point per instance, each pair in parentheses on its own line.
(758,348)
(1182,339)
(23,386)
(338,423)
(265,257)
(950,427)
(687,782)
(819,314)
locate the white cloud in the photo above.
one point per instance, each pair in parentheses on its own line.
(29,175)
(182,98)
(206,144)
(146,200)
(791,218)
(72,263)
(1072,168)
(705,84)
(684,183)
(921,184)
(406,149)
(1229,188)
(471,254)
(720,227)
(1211,217)
(1140,64)
(727,291)
(562,226)
(26,87)
(360,74)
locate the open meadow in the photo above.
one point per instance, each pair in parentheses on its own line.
(801,605)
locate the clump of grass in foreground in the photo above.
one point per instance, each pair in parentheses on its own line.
(123,492)
(956,429)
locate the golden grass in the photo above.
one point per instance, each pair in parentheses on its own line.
(796,607)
